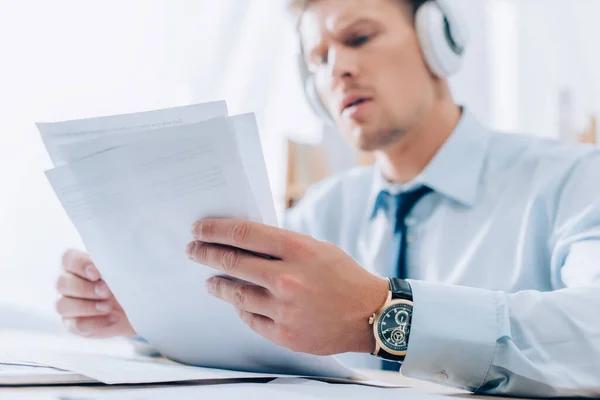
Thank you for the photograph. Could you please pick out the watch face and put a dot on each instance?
(393, 328)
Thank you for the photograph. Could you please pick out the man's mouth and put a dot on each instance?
(357, 102)
(351, 103)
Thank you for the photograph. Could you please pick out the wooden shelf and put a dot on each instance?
(308, 164)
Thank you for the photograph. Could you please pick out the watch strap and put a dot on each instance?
(400, 289)
(384, 355)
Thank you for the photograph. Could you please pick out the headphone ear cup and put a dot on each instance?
(441, 58)
(310, 92)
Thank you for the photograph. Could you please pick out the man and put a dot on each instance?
(499, 234)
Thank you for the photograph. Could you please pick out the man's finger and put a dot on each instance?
(80, 264)
(260, 324)
(71, 308)
(71, 285)
(104, 326)
(234, 262)
(250, 236)
(254, 299)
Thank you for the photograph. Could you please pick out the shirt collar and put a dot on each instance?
(454, 171)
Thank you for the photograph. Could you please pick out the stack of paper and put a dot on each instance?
(282, 388)
(23, 373)
(133, 185)
(35, 358)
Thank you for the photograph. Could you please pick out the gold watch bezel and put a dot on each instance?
(374, 320)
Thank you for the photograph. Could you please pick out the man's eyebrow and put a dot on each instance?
(346, 26)
(341, 28)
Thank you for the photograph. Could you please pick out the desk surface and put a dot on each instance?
(390, 377)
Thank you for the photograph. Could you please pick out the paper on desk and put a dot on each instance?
(254, 391)
(134, 206)
(246, 391)
(27, 374)
(246, 132)
(114, 371)
(112, 361)
(56, 134)
(288, 387)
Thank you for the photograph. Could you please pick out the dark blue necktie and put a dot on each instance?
(405, 203)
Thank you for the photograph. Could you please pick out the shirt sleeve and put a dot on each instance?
(530, 343)
(525, 344)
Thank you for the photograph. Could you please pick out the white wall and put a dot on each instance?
(472, 85)
(558, 50)
(529, 51)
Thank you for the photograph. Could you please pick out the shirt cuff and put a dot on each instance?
(453, 335)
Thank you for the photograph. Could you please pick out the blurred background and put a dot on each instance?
(533, 68)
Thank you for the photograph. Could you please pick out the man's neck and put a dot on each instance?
(402, 161)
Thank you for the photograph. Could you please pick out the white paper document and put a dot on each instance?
(293, 390)
(113, 370)
(28, 374)
(134, 199)
(248, 140)
(54, 135)
(36, 358)
(45, 365)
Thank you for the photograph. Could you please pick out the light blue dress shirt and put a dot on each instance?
(503, 259)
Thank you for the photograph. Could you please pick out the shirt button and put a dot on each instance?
(410, 239)
(441, 376)
(410, 221)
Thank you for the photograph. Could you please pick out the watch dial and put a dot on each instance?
(394, 327)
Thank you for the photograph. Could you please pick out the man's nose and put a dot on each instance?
(343, 64)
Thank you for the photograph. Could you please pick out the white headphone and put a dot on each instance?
(443, 37)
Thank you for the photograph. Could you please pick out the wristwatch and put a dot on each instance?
(391, 325)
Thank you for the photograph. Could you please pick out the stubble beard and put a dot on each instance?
(379, 140)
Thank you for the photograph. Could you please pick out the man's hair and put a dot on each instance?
(297, 7)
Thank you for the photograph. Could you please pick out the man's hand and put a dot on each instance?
(86, 304)
(309, 296)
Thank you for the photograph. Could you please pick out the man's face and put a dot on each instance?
(368, 67)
